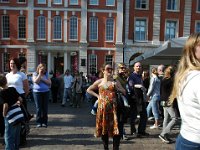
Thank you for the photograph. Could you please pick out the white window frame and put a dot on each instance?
(57, 2)
(175, 9)
(176, 28)
(21, 28)
(112, 28)
(109, 59)
(18, 1)
(55, 30)
(108, 3)
(92, 31)
(94, 2)
(72, 2)
(146, 31)
(41, 1)
(92, 59)
(6, 25)
(146, 3)
(74, 30)
(197, 22)
(41, 28)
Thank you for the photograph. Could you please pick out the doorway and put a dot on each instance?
(59, 65)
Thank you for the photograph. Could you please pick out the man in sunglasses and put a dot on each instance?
(137, 102)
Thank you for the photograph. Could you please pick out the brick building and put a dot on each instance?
(84, 34)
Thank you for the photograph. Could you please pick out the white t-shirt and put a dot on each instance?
(16, 81)
(189, 106)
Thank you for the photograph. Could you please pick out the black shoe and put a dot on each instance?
(164, 139)
(141, 134)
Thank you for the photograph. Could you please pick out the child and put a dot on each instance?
(10, 97)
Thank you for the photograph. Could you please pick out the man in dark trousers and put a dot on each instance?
(137, 102)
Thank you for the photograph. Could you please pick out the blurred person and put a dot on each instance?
(153, 95)
(18, 80)
(68, 82)
(41, 85)
(169, 110)
(54, 88)
(186, 90)
(77, 90)
(10, 97)
(106, 118)
(137, 102)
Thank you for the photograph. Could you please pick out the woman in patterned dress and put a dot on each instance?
(106, 118)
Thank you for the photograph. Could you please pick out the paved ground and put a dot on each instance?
(73, 129)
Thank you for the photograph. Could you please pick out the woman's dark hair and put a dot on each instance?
(3, 80)
(22, 60)
(17, 62)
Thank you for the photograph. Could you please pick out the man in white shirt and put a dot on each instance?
(68, 81)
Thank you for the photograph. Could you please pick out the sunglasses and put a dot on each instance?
(122, 67)
(109, 69)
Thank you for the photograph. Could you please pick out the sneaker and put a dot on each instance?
(153, 127)
(63, 105)
(44, 125)
(164, 138)
(125, 137)
(150, 118)
(93, 112)
(39, 126)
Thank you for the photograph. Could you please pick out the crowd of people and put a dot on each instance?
(164, 94)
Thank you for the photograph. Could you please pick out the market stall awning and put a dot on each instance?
(167, 53)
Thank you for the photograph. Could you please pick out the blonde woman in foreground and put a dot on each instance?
(187, 91)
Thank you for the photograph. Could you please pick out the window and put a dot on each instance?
(93, 29)
(57, 1)
(172, 4)
(94, 2)
(5, 27)
(109, 29)
(4, 1)
(21, 1)
(170, 31)
(109, 60)
(140, 29)
(73, 2)
(41, 1)
(142, 4)
(6, 65)
(73, 35)
(198, 5)
(57, 30)
(110, 2)
(92, 63)
(22, 27)
(197, 27)
(41, 32)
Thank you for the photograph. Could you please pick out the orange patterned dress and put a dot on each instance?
(106, 118)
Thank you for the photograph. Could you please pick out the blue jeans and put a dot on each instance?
(183, 144)
(67, 94)
(12, 136)
(153, 105)
(41, 102)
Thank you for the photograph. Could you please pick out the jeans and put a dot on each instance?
(41, 103)
(183, 144)
(67, 94)
(167, 126)
(12, 136)
(153, 104)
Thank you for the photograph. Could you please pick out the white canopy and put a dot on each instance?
(168, 53)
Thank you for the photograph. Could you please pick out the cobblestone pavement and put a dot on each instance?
(73, 129)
